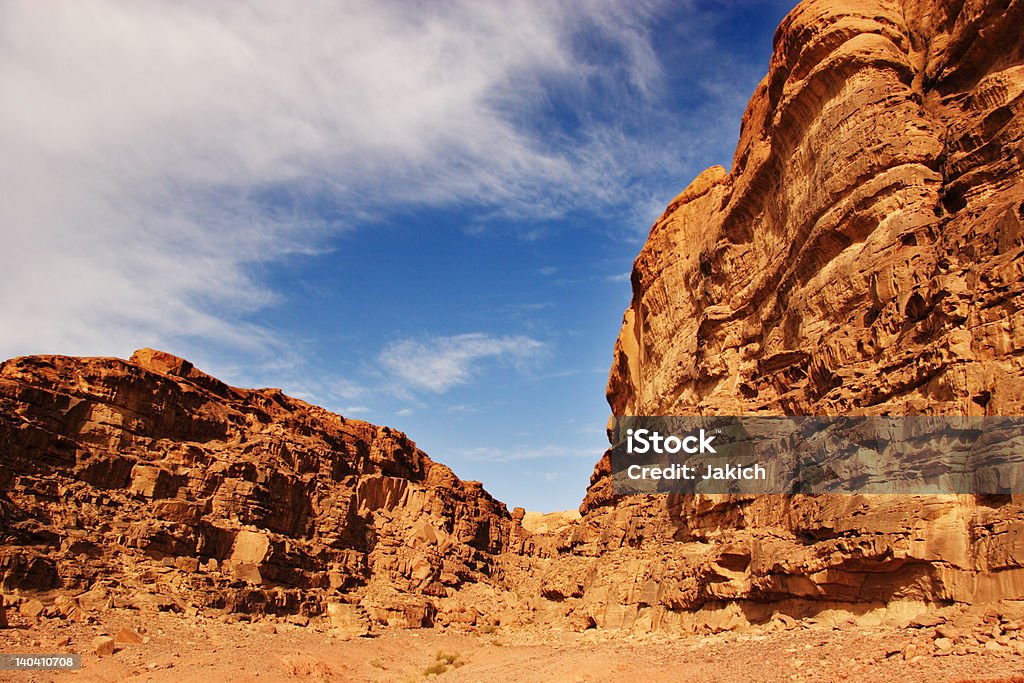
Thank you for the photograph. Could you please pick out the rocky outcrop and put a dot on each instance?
(149, 483)
(865, 255)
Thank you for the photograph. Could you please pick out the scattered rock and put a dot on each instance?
(187, 564)
(165, 663)
(992, 616)
(927, 621)
(787, 622)
(103, 645)
(128, 636)
(31, 608)
(306, 666)
(348, 618)
(94, 600)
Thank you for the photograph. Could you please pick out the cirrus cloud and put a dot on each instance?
(437, 364)
(160, 157)
(156, 153)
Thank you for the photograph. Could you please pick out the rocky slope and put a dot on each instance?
(865, 255)
(149, 484)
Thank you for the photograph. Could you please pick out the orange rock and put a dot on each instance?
(128, 636)
(31, 608)
(162, 467)
(103, 645)
(864, 255)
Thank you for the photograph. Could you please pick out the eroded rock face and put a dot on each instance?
(124, 477)
(865, 252)
(865, 255)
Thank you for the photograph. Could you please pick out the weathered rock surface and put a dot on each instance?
(103, 645)
(865, 255)
(149, 484)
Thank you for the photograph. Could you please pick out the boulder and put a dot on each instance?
(103, 645)
(128, 636)
(31, 608)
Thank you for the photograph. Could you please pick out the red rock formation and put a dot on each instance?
(117, 476)
(865, 255)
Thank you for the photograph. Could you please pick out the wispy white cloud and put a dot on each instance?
(156, 154)
(529, 452)
(354, 411)
(462, 408)
(294, 376)
(520, 310)
(437, 364)
(346, 388)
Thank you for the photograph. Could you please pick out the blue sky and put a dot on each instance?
(419, 214)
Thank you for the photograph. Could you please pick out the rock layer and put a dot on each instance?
(117, 476)
(865, 255)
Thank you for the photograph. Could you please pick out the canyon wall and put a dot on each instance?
(865, 255)
(149, 484)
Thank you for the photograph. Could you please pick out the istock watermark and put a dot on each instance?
(642, 441)
(855, 454)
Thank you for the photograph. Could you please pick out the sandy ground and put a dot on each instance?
(207, 649)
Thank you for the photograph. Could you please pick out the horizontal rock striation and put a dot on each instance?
(148, 475)
(865, 255)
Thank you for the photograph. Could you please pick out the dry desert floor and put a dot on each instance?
(179, 648)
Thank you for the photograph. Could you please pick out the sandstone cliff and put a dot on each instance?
(865, 255)
(150, 484)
